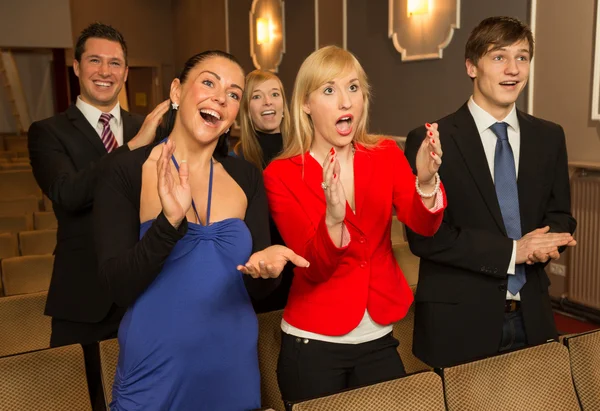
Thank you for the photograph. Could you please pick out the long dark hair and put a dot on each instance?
(168, 122)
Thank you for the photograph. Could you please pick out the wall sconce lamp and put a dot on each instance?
(417, 7)
(265, 31)
(422, 29)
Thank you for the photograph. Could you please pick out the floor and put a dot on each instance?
(569, 324)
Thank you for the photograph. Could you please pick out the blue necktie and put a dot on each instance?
(505, 180)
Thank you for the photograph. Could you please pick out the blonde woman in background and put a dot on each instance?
(264, 125)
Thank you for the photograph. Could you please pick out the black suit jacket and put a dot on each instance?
(66, 154)
(463, 272)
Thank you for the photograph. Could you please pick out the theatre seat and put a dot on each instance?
(8, 247)
(418, 392)
(19, 206)
(269, 345)
(37, 242)
(584, 352)
(23, 325)
(26, 274)
(44, 220)
(18, 184)
(109, 357)
(408, 262)
(535, 378)
(48, 380)
(403, 332)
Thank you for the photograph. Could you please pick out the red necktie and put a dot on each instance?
(108, 138)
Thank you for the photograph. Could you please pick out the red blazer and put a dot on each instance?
(331, 295)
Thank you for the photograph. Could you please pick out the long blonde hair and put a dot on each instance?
(320, 67)
(248, 143)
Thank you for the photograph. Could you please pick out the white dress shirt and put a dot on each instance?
(92, 114)
(483, 121)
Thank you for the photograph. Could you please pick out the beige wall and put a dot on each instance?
(198, 25)
(48, 27)
(563, 73)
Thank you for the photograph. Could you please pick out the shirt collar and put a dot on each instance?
(484, 120)
(92, 114)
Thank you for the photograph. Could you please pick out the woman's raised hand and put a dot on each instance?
(174, 191)
(269, 262)
(334, 191)
(429, 156)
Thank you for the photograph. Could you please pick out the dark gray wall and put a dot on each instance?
(408, 94)
(299, 37)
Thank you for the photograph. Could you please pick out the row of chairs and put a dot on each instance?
(25, 275)
(546, 377)
(13, 143)
(25, 280)
(27, 243)
(16, 184)
(28, 221)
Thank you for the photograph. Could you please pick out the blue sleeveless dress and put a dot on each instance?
(189, 342)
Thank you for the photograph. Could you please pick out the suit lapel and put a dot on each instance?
(129, 127)
(469, 143)
(529, 158)
(80, 122)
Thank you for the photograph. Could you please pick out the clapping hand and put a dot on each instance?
(334, 191)
(429, 157)
(174, 191)
(269, 262)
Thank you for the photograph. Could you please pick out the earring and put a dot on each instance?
(227, 132)
(175, 106)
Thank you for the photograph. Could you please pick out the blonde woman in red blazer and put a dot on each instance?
(331, 194)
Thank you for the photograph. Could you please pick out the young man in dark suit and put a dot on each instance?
(66, 152)
(482, 286)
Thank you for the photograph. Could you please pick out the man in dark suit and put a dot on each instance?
(482, 286)
(66, 152)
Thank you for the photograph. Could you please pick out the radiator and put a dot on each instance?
(584, 259)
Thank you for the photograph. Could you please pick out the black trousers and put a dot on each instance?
(310, 368)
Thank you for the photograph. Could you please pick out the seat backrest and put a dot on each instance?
(23, 325)
(18, 206)
(8, 245)
(109, 357)
(534, 378)
(15, 223)
(15, 143)
(49, 380)
(584, 352)
(397, 232)
(12, 166)
(26, 274)
(37, 242)
(269, 345)
(18, 183)
(418, 392)
(408, 262)
(44, 220)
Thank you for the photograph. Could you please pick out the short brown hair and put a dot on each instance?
(497, 32)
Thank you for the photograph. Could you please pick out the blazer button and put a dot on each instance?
(502, 288)
(362, 240)
(363, 264)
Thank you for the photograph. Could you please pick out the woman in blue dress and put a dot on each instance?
(182, 238)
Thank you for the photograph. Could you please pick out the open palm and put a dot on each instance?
(174, 191)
